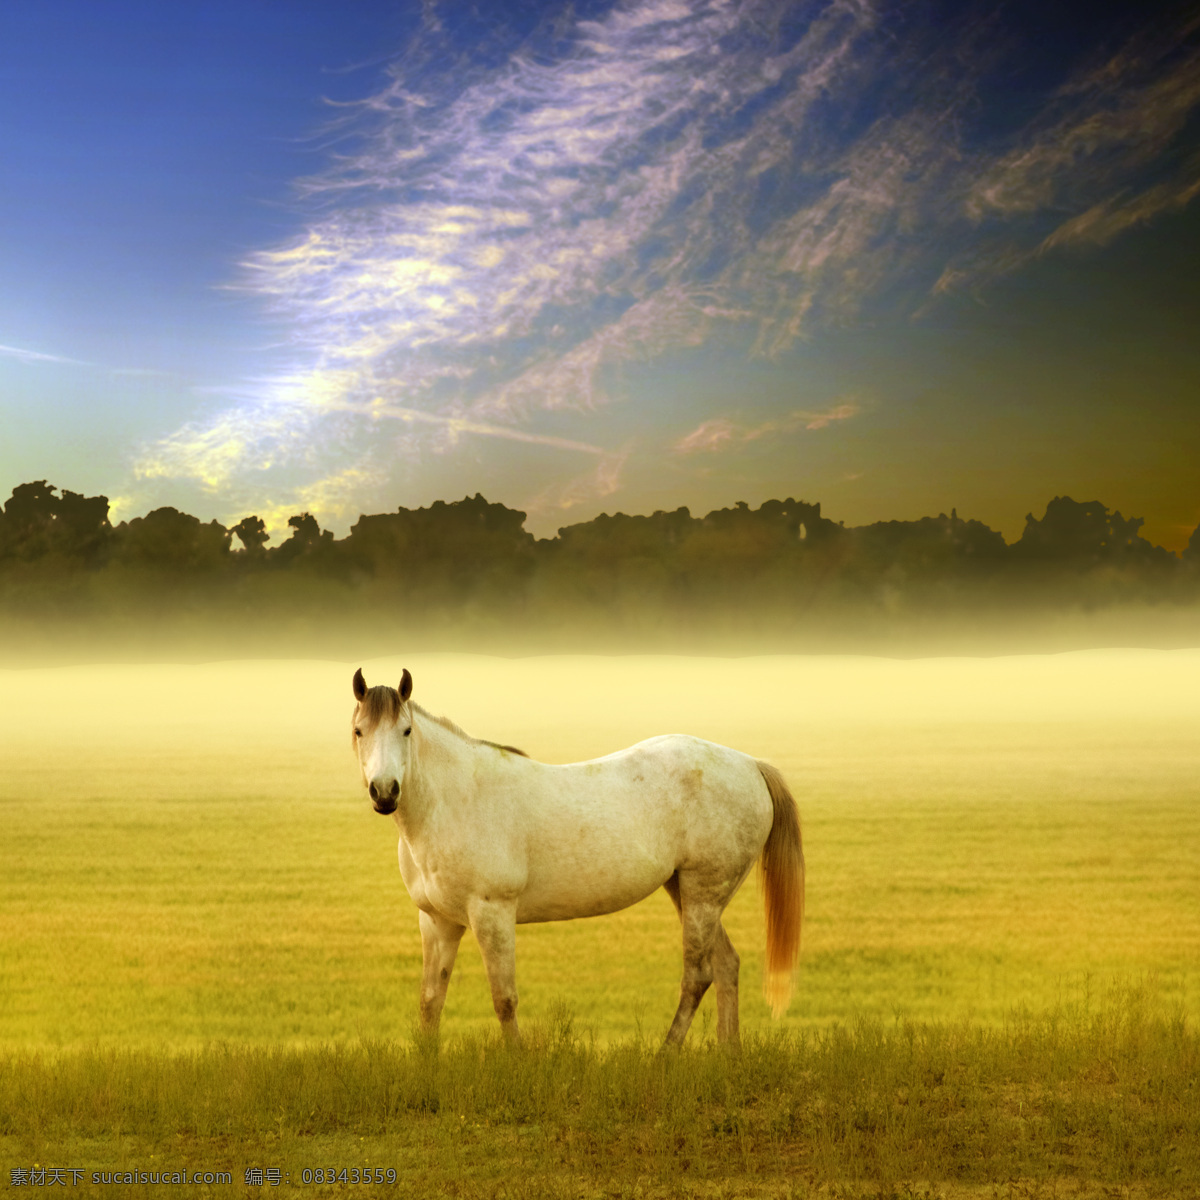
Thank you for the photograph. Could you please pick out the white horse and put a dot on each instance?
(490, 839)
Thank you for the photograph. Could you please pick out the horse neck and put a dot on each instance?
(437, 767)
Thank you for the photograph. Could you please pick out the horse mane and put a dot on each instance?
(383, 701)
(458, 730)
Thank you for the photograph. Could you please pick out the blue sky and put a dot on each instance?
(894, 257)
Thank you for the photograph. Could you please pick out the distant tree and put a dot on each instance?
(774, 522)
(457, 547)
(83, 519)
(168, 541)
(1082, 534)
(32, 505)
(727, 553)
(939, 561)
(607, 538)
(675, 558)
(932, 544)
(37, 524)
(1083, 554)
(614, 559)
(252, 532)
(308, 541)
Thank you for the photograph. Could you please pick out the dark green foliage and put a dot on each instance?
(169, 541)
(934, 547)
(1074, 533)
(463, 546)
(252, 533)
(36, 524)
(308, 547)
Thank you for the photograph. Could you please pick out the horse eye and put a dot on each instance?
(358, 733)
(408, 731)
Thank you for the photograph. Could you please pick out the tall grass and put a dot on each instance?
(1107, 1093)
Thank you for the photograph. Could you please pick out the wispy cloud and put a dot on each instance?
(453, 426)
(1104, 222)
(237, 441)
(1100, 127)
(708, 436)
(141, 373)
(504, 238)
(36, 356)
(720, 433)
(602, 481)
(1093, 164)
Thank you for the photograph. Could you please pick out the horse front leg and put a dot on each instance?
(494, 924)
(439, 947)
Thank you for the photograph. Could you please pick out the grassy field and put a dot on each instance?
(189, 860)
(1079, 1101)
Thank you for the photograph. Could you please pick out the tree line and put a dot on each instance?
(61, 553)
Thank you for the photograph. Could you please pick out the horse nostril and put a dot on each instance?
(382, 790)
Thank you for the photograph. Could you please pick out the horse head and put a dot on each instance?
(382, 738)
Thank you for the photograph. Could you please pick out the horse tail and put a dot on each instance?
(781, 869)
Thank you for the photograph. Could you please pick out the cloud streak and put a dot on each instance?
(36, 356)
(454, 426)
(720, 433)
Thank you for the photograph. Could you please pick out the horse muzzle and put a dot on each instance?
(384, 795)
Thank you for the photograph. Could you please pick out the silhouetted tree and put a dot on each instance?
(32, 506)
(37, 524)
(613, 559)
(309, 544)
(454, 547)
(1081, 534)
(169, 541)
(930, 546)
(252, 533)
(606, 539)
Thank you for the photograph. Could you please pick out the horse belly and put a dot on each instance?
(587, 894)
(597, 864)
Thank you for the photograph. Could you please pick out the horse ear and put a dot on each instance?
(405, 686)
(360, 685)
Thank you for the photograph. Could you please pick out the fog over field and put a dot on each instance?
(189, 846)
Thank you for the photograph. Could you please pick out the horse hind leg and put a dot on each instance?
(700, 922)
(720, 970)
(725, 964)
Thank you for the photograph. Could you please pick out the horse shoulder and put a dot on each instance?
(413, 876)
(480, 834)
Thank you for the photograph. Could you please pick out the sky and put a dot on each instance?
(891, 256)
